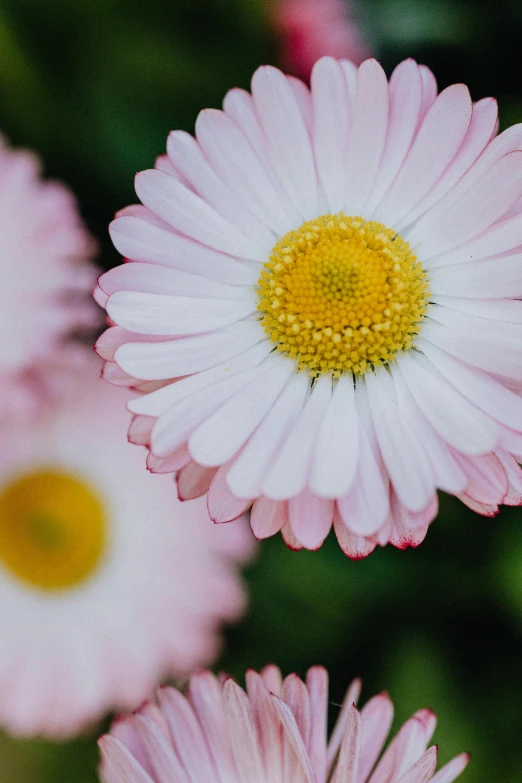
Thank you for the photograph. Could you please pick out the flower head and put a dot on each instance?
(276, 732)
(108, 584)
(321, 307)
(46, 276)
(311, 29)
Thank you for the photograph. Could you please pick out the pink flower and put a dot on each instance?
(108, 584)
(311, 29)
(46, 277)
(275, 734)
(322, 307)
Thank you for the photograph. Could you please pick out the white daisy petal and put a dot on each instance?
(288, 141)
(337, 447)
(222, 435)
(176, 425)
(448, 475)
(155, 279)
(162, 314)
(482, 127)
(405, 105)
(252, 464)
(367, 135)
(507, 142)
(409, 469)
(153, 361)
(485, 348)
(187, 155)
(141, 240)
(233, 158)
(331, 119)
(430, 153)
(456, 419)
(484, 279)
(157, 402)
(481, 206)
(289, 473)
(190, 214)
(486, 393)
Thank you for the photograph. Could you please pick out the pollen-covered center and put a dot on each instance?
(342, 294)
(53, 530)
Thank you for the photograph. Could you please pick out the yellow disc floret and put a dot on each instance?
(53, 530)
(342, 294)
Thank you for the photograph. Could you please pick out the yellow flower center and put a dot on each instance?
(342, 294)
(53, 530)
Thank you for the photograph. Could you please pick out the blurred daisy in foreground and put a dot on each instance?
(45, 280)
(324, 296)
(310, 29)
(108, 584)
(275, 734)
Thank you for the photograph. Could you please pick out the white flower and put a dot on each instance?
(324, 296)
(107, 583)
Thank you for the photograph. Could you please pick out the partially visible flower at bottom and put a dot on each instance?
(276, 732)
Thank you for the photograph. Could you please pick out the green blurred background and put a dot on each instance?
(94, 86)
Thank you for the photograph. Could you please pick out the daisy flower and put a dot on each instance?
(321, 306)
(276, 732)
(310, 29)
(108, 584)
(46, 277)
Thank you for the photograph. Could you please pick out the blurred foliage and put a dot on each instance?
(94, 86)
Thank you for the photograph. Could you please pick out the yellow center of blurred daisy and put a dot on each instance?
(53, 530)
(342, 294)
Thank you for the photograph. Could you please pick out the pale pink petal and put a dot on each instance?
(337, 446)
(193, 480)
(289, 472)
(142, 240)
(222, 505)
(220, 437)
(405, 105)
(268, 517)
(331, 121)
(367, 135)
(234, 159)
(355, 546)
(377, 717)
(422, 771)
(310, 518)
(172, 359)
(191, 215)
(452, 770)
(456, 419)
(254, 461)
(430, 153)
(288, 141)
(120, 763)
(242, 733)
(347, 768)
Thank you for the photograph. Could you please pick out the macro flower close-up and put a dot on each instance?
(100, 596)
(276, 732)
(320, 306)
(45, 253)
(260, 391)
